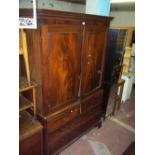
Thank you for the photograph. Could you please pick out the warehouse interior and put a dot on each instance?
(116, 133)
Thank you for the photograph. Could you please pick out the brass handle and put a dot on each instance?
(64, 114)
(73, 110)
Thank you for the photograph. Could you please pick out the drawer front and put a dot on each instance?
(62, 118)
(60, 138)
(90, 102)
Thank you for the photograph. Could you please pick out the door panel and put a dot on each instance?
(94, 44)
(61, 64)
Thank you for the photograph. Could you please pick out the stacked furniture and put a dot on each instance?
(30, 130)
(127, 73)
(130, 34)
(125, 35)
(115, 52)
(116, 48)
(67, 58)
(120, 39)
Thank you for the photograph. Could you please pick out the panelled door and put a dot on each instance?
(61, 57)
(93, 57)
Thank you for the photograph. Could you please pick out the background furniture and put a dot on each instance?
(118, 96)
(124, 44)
(129, 80)
(30, 130)
(67, 58)
(23, 52)
(128, 71)
(130, 38)
(30, 135)
(126, 60)
(117, 48)
(120, 38)
(113, 65)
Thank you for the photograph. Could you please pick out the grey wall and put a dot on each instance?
(53, 5)
(123, 18)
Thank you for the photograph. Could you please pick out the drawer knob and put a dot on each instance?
(83, 23)
(64, 128)
(71, 111)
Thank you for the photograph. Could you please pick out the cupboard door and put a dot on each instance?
(93, 58)
(61, 53)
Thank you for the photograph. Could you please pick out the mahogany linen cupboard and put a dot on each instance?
(67, 55)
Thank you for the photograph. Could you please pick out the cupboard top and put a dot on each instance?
(42, 14)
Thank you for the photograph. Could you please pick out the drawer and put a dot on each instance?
(63, 117)
(68, 127)
(92, 101)
(63, 136)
